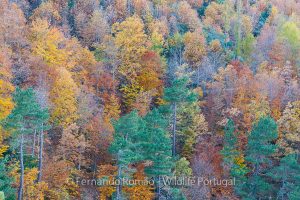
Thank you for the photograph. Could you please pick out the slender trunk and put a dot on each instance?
(94, 167)
(41, 155)
(174, 129)
(158, 188)
(238, 28)
(129, 7)
(20, 192)
(113, 76)
(79, 161)
(198, 76)
(119, 185)
(33, 145)
(38, 139)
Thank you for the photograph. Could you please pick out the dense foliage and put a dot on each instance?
(149, 90)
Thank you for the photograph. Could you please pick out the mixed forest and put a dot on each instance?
(145, 89)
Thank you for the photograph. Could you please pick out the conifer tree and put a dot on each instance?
(262, 20)
(157, 147)
(259, 149)
(232, 159)
(176, 94)
(6, 181)
(288, 175)
(126, 146)
(229, 151)
(24, 118)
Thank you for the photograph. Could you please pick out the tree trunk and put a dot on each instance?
(198, 76)
(238, 28)
(79, 161)
(33, 145)
(94, 167)
(174, 129)
(158, 188)
(20, 192)
(40, 166)
(119, 185)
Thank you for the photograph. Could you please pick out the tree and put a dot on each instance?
(187, 15)
(195, 50)
(12, 26)
(42, 125)
(33, 189)
(46, 43)
(26, 116)
(287, 174)
(258, 152)
(221, 92)
(131, 40)
(230, 151)
(175, 95)
(58, 175)
(233, 160)
(6, 180)
(289, 126)
(191, 125)
(157, 147)
(63, 97)
(182, 168)
(126, 145)
(72, 146)
(289, 33)
(6, 88)
(95, 29)
(130, 92)
(262, 20)
(107, 172)
(151, 75)
(139, 191)
(47, 11)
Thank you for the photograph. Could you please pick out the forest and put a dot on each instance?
(125, 99)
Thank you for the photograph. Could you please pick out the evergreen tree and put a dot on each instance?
(288, 174)
(262, 20)
(126, 144)
(232, 159)
(229, 151)
(6, 181)
(24, 119)
(156, 147)
(176, 94)
(260, 147)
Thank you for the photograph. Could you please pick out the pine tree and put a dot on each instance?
(233, 159)
(259, 149)
(288, 175)
(229, 151)
(125, 146)
(157, 147)
(6, 181)
(26, 116)
(175, 95)
(262, 20)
